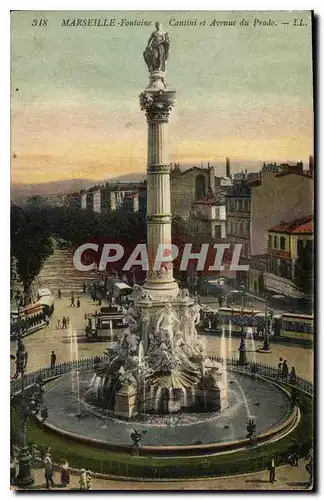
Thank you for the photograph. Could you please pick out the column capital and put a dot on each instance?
(157, 104)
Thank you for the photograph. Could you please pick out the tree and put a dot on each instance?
(304, 268)
(30, 244)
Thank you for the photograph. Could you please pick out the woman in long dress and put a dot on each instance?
(65, 474)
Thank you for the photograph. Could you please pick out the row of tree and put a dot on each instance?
(35, 226)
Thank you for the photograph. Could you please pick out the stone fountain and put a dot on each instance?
(158, 367)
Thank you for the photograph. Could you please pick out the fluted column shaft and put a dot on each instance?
(157, 105)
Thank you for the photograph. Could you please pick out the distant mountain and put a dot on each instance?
(20, 192)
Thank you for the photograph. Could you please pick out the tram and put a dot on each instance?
(289, 326)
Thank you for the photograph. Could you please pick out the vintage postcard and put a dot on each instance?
(162, 315)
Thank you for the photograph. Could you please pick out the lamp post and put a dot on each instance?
(266, 341)
(242, 288)
(26, 405)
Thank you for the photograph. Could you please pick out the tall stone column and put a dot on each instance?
(157, 102)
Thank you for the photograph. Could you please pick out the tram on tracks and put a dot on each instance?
(286, 326)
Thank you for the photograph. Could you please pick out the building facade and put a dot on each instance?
(191, 185)
(279, 196)
(208, 216)
(286, 241)
(238, 216)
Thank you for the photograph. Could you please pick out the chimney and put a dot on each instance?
(228, 168)
(311, 165)
(211, 180)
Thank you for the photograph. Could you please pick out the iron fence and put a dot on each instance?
(85, 364)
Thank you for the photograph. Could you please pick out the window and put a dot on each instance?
(282, 243)
(275, 241)
(200, 183)
(216, 213)
(300, 246)
(247, 225)
(284, 269)
(241, 228)
(270, 241)
(218, 232)
(273, 266)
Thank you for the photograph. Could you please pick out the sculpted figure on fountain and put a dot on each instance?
(167, 320)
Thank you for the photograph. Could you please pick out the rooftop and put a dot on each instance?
(297, 226)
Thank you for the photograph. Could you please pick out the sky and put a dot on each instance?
(243, 91)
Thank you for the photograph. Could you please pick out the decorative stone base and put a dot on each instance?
(158, 290)
(126, 402)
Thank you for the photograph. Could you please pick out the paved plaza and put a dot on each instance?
(287, 478)
(40, 344)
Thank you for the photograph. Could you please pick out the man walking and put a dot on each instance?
(53, 360)
(272, 471)
(280, 367)
(48, 470)
(59, 293)
(72, 300)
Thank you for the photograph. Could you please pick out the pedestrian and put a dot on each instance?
(78, 302)
(84, 288)
(64, 322)
(72, 300)
(48, 470)
(296, 459)
(65, 473)
(83, 479)
(285, 369)
(272, 471)
(13, 471)
(280, 366)
(292, 376)
(53, 360)
(309, 469)
(89, 479)
(59, 293)
(59, 324)
(67, 322)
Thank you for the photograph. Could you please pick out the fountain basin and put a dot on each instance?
(182, 433)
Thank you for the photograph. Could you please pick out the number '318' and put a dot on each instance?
(39, 22)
